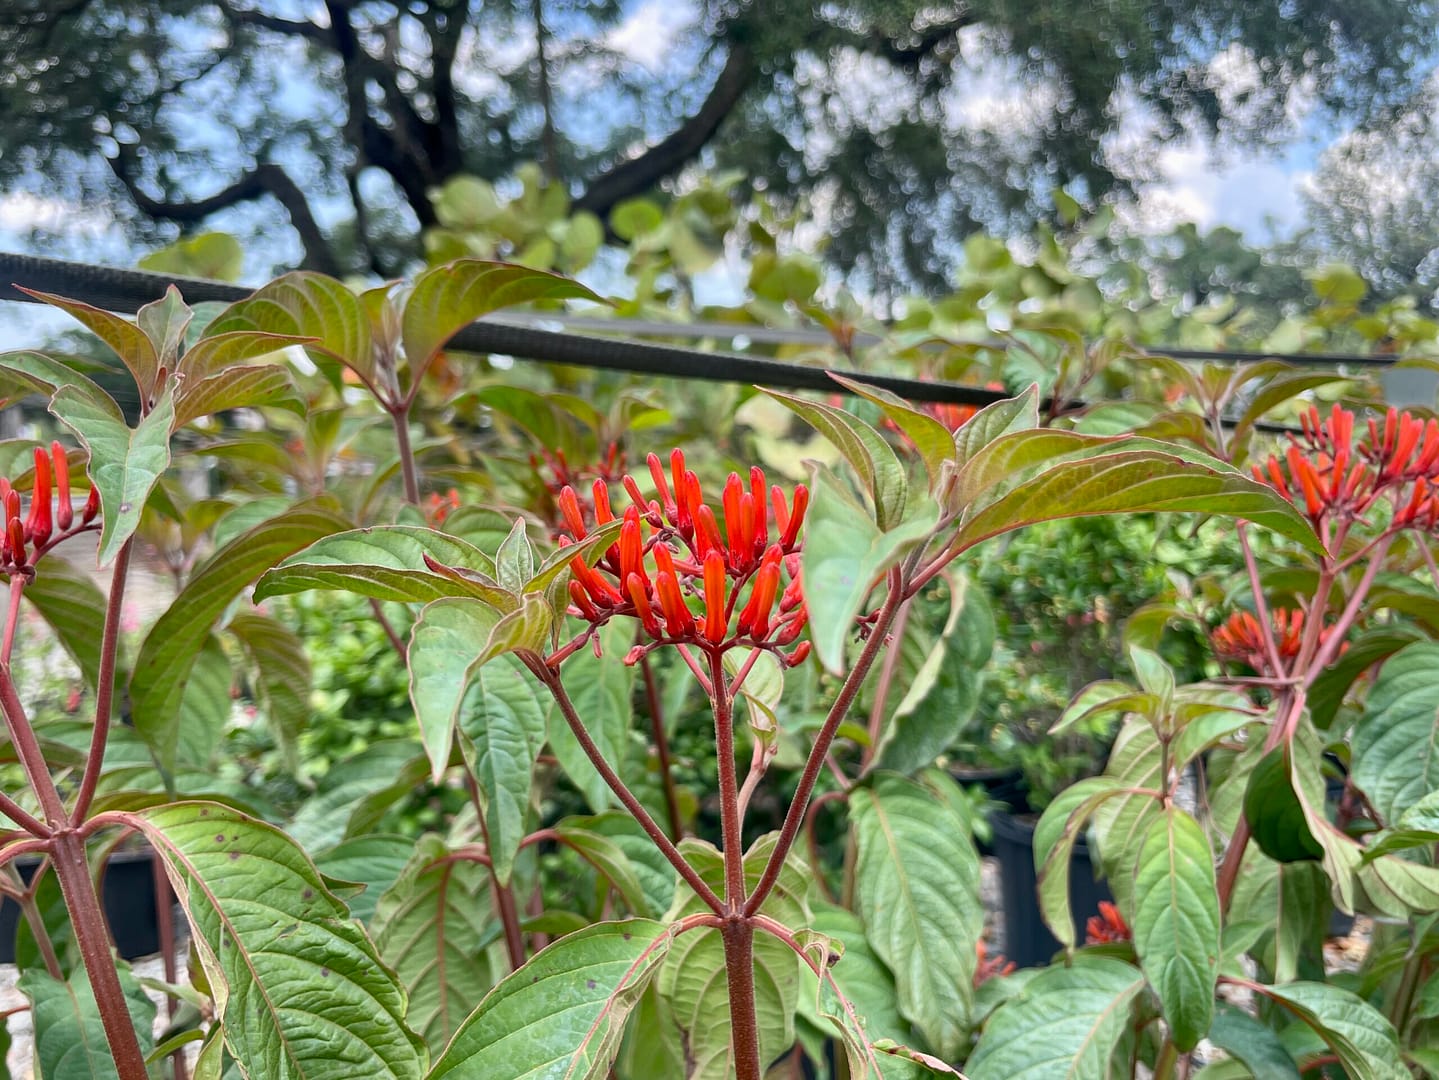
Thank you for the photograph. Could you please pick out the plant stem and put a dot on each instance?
(17, 586)
(27, 749)
(504, 893)
(396, 642)
(87, 922)
(731, 830)
(838, 711)
(105, 684)
(738, 937)
(400, 418)
(887, 672)
(1168, 1058)
(662, 748)
(551, 680)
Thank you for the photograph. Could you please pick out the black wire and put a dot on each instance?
(127, 291)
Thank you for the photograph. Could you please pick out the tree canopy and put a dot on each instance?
(906, 125)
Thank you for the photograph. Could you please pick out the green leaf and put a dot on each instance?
(1059, 829)
(563, 1014)
(1176, 923)
(70, 1041)
(1275, 393)
(1274, 812)
(214, 255)
(386, 562)
(124, 464)
(125, 338)
(881, 473)
(172, 644)
(1396, 741)
(944, 693)
(69, 602)
(932, 439)
(515, 559)
(308, 305)
(376, 777)
(432, 927)
(1359, 1034)
(1327, 692)
(502, 721)
(375, 861)
(1247, 1040)
(204, 706)
(1100, 475)
(602, 689)
(164, 322)
(282, 673)
(692, 981)
(1107, 697)
(448, 298)
(444, 645)
(844, 553)
(1137, 761)
(609, 859)
(993, 421)
(238, 388)
(299, 988)
(1067, 1023)
(916, 887)
(213, 355)
(653, 871)
(859, 974)
(38, 373)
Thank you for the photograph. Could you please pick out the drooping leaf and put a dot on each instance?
(170, 648)
(1396, 741)
(124, 463)
(692, 979)
(1176, 923)
(444, 644)
(1059, 829)
(502, 724)
(653, 871)
(1274, 812)
(386, 562)
(1066, 1023)
(880, 471)
(448, 298)
(610, 860)
(33, 372)
(282, 676)
(299, 988)
(1247, 1040)
(916, 887)
(69, 1036)
(1137, 761)
(942, 697)
(562, 1015)
(204, 706)
(433, 926)
(68, 601)
(1359, 1034)
(844, 553)
(602, 689)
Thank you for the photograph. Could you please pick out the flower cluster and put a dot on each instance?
(1335, 478)
(555, 473)
(51, 517)
(683, 576)
(1107, 927)
(990, 967)
(1240, 638)
(438, 507)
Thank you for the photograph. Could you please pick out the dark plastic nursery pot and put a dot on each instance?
(129, 898)
(1027, 941)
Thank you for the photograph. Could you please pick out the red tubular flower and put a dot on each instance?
(38, 524)
(678, 620)
(1240, 638)
(581, 600)
(1107, 927)
(15, 532)
(796, 517)
(754, 619)
(92, 506)
(714, 578)
(657, 473)
(64, 512)
(639, 596)
(677, 472)
(733, 520)
(604, 514)
(570, 509)
(706, 532)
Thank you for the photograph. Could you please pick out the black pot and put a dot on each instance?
(1027, 941)
(1003, 786)
(129, 900)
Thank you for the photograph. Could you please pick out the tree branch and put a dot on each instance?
(294, 28)
(266, 178)
(640, 174)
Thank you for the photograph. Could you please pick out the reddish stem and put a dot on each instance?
(400, 418)
(838, 711)
(551, 680)
(731, 828)
(105, 684)
(662, 749)
(738, 937)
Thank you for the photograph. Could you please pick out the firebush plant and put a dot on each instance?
(509, 940)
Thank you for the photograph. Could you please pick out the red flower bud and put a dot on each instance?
(678, 620)
(16, 534)
(570, 508)
(657, 473)
(603, 513)
(92, 506)
(677, 472)
(38, 524)
(639, 596)
(796, 518)
(716, 621)
(64, 512)
(582, 601)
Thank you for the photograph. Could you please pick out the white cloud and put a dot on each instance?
(649, 32)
